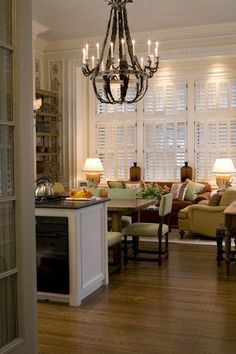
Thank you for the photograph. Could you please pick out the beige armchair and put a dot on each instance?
(202, 218)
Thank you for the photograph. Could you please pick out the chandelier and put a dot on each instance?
(117, 75)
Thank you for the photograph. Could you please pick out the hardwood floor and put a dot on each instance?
(188, 305)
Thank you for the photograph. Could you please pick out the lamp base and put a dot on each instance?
(93, 179)
(223, 180)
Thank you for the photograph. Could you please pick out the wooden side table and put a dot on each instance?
(230, 222)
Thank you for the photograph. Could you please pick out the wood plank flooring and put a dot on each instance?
(188, 305)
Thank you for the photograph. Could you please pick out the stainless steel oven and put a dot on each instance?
(52, 254)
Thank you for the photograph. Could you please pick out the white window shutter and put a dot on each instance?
(165, 130)
(164, 150)
(166, 98)
(116, 146)
(215, 124)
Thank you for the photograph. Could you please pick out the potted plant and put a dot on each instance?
(152, 191)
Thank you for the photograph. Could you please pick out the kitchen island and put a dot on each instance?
(87, 245)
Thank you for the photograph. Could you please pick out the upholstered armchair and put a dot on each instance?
(203, 218)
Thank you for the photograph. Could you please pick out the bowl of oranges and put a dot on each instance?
(81, 194)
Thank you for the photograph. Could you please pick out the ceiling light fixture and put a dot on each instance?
(117, 75)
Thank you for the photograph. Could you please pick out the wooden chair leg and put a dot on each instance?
(117, 253)
(159, 260)
(135, 244)
(167, 245)
(125, 250)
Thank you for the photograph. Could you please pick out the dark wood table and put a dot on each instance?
(119, 207)
(230, 221)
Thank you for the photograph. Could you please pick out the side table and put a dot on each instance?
(230, 222)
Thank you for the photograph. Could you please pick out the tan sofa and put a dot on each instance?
(203, 218)
(149, 214)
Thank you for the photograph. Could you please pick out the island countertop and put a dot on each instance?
(70, 204)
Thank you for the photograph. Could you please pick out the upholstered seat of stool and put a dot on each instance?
(114, 244)
(113, 238)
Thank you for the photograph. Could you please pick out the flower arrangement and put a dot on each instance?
(152, 191)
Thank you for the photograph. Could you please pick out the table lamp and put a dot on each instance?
(93, 168)
(223, 167)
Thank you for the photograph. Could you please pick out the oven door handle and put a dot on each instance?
(51, 234)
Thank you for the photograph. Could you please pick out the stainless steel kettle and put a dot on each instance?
(44, 187)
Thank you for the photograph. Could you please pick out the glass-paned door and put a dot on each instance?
(8, 266)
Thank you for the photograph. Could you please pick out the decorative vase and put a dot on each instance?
(135, 173)
(186, 172)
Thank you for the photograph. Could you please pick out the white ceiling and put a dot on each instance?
(67, 19)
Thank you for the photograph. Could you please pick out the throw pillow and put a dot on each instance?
(133, 185)
(179, 190)
(116, 184)
(228, 197)
(194, 188)
(215, 199)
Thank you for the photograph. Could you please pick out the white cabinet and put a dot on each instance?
(88, 262)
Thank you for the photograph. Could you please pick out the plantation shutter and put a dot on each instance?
(215, 123)
(165, 131)
(116, 147)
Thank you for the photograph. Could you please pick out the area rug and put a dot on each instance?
(190, 238)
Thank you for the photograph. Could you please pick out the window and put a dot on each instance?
(116, 138)
(162, 133)
(116, 146)
(215, 123)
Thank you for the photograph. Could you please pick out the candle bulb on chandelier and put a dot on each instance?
(86, 51)
(84, 56)
(133, 43)
(97, 45)
(156, 50)
(123, 47)
(93, 61)
(149, 47)
(141, 60)
(156, 54)
(112, 53)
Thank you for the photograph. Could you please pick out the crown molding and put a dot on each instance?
(37, 28)
(192, 32)
(199, 52)
(207, 40)
(40, 45)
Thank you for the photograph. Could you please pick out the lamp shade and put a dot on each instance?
(223, 165)
(93, 164)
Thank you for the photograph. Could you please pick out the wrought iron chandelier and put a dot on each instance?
(117, 75)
